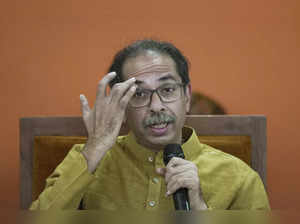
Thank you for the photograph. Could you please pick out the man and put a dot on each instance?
(151, 91)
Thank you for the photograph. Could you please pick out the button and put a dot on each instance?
(152, 203)
(155, 180)
(150, 159)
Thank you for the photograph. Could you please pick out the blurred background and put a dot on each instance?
(244, 54)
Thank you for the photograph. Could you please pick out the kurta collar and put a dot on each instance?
(143, 154)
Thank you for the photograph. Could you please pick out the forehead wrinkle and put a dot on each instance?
(150, 69)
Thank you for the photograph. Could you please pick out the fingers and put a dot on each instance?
(120, 90)
(180, 173)
(176, 161)
(161, 171)
(175, 166)
(86, 113)
(182, 181)
(101, 91)
(124, 101)
(84, 105)
(172, 172)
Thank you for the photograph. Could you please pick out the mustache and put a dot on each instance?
(158, 118)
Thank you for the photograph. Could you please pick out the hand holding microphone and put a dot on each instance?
(182, 175)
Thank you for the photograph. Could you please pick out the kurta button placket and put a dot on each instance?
(154, 183)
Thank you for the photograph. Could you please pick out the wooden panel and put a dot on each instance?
(49, 152)
(238, 146)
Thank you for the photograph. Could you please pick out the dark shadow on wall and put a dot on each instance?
(202, 104)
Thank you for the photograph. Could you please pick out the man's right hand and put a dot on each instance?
(103, 122)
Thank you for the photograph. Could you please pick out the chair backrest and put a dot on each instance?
(44, 142)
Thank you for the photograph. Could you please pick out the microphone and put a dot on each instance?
(180, 197)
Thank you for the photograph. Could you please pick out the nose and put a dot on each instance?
(155, 103)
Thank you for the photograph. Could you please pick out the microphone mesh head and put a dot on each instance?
(172, 150)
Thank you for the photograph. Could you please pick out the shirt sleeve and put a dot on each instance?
(66, 186)
(251, 194)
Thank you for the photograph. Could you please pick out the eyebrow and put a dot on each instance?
(165, 78)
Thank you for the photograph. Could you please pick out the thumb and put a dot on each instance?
(161, 171)
(85, 109)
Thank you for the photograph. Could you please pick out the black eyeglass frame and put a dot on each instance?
(152, 91)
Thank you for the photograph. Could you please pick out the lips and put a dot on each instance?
(159, 129)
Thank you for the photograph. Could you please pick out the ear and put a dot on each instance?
(188, 94)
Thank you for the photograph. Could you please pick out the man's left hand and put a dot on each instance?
(180, 173)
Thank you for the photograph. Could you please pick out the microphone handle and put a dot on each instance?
(181, 201)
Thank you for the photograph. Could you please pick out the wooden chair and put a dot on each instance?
(45, 141)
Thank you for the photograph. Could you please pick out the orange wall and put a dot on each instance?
(245, 54)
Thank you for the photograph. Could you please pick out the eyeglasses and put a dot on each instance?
(167, 93)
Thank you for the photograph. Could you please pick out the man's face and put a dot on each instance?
(156, 124)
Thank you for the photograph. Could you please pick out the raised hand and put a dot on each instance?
(104, 121)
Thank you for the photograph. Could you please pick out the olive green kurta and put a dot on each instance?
(126, 179)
